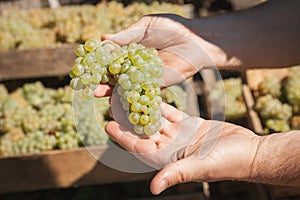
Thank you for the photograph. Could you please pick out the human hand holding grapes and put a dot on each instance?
(188, 148)
(183, 53)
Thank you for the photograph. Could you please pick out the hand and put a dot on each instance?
(181, 50)
(189, 148)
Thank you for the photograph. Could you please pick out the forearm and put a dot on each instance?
(277, 160)
(264, 36)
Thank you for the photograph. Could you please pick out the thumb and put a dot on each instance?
(172, 174)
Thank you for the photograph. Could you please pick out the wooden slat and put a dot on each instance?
(254, 120)
(36, 62)
(21, 4)
(59, 169)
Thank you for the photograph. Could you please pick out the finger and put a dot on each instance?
(106, 36)
(128, 140)
(103, 90)
(172, 174)
(172, 114)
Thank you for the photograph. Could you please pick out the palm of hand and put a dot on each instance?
(180, 49)
(188, 148)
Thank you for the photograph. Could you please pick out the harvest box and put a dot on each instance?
(63, 168)
(253, 78)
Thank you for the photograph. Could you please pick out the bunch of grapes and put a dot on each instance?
(270, 86)
(34, 118)
(137, 71)
(277, 125)
(229, 92)
(291, 89)
(44, 27)
(271, 108)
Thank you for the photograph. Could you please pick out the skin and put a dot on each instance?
(265, 36)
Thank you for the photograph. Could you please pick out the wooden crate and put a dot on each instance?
(61, 168)
(253, 78)
(33, 63)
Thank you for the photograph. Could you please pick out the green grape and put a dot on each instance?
(89, 59)
(95, 68)
(134, 118)
(126, 84)
(136, 107)
(92, 44)
(78, 60)
(80, 51)
(96, 78)
(86, 78)
(114, 68)
(150, 92)
(78, 69)
(136, 76)
(150, 129)
(137, 87)
(125, 67)
(156, 71)
(144, 100)
(154, 117)
(72, 75)
(133, 96)
(138, 129)
(144, 119)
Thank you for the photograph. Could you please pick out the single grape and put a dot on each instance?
(134, 118)
(144, 119)
(114, 68)
(92, 44)
(133, 96)
(136, 76)
(138, 129)
(150, 129)
(80, 51)
(86, 78)
(144, 100)
(78, 69)
(96, 78)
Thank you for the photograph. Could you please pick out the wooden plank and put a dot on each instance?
(59, 169)
(256, 76)
(21, 4)
(253, 118)
(36, 62)
(253, 78)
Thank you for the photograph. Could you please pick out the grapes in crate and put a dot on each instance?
(135, 70)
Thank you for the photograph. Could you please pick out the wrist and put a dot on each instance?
(277, 159)
(213, 36)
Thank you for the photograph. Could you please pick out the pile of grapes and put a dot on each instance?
(34, 118)
(136, 71)
(278, 102)
(39, 28)
(228, 93)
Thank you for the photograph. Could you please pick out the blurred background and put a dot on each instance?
(41, 154)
